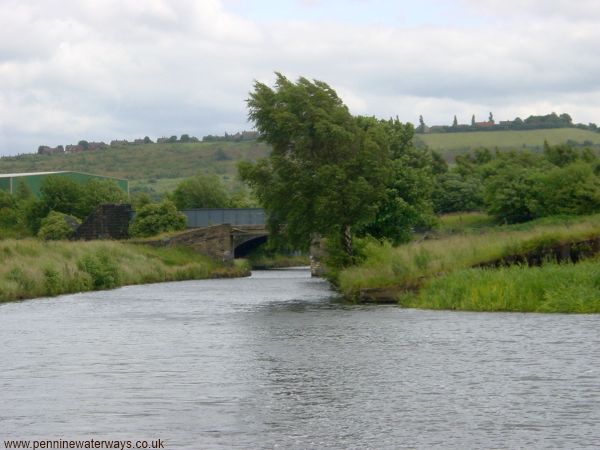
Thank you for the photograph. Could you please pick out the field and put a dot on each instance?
(451, 144)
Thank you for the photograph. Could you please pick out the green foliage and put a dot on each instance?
(511, 195)
(8, 210)
(570, 190)
(201, 191)
(13, 215)
(155, 218)
(61, 194)
(454, 192)
(55, 227)
(407, 202)
(66, 196)
(102, 268)
(560, 155)
(97, 192)
(33, 268)
(554, 288)
(407, 266)
(330, 173)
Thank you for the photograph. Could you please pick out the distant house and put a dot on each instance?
(33, 180)
(487, 124)
(85, 146)
(118, 142)
(45, 150)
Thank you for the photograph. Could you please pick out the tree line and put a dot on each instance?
(533, 122)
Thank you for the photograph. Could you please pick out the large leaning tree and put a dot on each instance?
(329, 173)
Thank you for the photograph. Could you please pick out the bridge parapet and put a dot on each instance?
(206, 217)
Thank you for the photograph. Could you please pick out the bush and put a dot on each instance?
(201, 191)
(155, 218)
(452, 193)
(511, 195)
(55, 226)
(103, 270)
(571, 190)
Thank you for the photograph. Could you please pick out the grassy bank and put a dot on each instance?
(409, 267)
(562, 288)
(31, 268)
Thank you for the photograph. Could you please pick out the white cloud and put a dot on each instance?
(71, 70)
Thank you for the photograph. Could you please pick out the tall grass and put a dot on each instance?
(409, 265)
(31, 268)
(561, 288)
(464, 222)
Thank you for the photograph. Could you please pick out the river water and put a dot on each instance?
(276, 361)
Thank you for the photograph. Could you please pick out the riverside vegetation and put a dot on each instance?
(33, 268)
(445, 271)
(366, 187)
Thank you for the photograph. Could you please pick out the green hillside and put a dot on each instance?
(451, 144)
(157, 168)
(154, 167)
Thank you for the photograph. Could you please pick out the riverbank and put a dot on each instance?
(277, 261)
(31, 268)
(486, 269)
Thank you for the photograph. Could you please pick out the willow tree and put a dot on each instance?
(326, 173)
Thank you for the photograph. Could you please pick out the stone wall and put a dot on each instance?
(109, 221)
(215, 241)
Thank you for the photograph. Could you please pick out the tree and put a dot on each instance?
(155, 218)
(201, 191)
(473, 120)
(327, 172)
(422, 125)
(61, 194)
(98, 192)
(560, 155)
(511, 196)
(455, 122)
(453, 192)
(491, 118)
(438, 163)
(407, 203)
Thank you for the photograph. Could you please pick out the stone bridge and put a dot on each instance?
(223, 234)
(224, 242)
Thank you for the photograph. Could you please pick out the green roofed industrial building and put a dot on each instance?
(9, 182)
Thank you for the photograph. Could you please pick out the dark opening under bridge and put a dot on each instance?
(223, 233)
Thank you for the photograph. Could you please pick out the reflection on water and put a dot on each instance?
(276, 360)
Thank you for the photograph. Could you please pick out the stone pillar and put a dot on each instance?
(317, 253)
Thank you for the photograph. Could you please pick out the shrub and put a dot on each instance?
(201, 191)
(103, 270)
(56, 226)
(156, 218)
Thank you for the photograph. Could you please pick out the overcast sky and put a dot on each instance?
(108, 69)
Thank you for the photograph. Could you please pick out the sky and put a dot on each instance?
(123, 69)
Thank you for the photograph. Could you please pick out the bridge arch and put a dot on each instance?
(242, 249)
